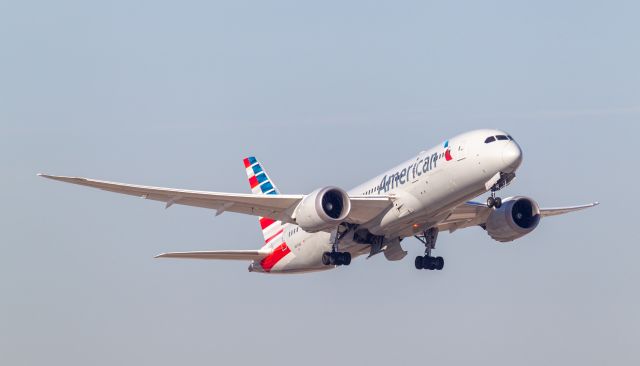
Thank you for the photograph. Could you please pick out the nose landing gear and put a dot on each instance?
(494, 201)
(503, 181)
(429, 238)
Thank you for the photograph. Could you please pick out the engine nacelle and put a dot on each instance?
(517, 217)
(322, 209)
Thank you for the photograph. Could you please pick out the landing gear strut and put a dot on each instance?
(335, 257)
(429, 238)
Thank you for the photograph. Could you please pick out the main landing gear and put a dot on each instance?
(430, 263)
(335, 257)
(429, 238)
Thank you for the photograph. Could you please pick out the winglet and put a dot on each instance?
(61, 178)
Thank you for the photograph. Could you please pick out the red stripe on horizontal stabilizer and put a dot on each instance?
(265, 222)
(274, 235)
(272, 259)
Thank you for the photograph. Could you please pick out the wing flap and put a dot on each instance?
(239, 255)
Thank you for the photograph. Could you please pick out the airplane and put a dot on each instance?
(429, 193)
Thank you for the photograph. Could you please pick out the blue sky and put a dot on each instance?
(177, 93)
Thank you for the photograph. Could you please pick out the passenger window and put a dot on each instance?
(489, 140)
(502, 137)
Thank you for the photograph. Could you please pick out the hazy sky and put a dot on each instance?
(332, 92)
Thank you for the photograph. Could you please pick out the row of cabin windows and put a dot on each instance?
(295, 230)
(491, 139)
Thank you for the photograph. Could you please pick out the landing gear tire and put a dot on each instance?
(497, 202)
(326, 258)
(336, 258)
(430, 263)
(494, 202)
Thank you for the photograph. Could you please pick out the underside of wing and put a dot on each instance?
(241, 255)
(476, 213)
(280, 207)
(465, 215)
(275, 206)
(546, 212)
(365, 208)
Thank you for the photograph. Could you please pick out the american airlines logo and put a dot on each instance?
(413, 171)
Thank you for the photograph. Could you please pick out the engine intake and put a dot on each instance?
(322, 209)
(517, 217)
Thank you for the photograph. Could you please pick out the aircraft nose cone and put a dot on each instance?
(512, 156)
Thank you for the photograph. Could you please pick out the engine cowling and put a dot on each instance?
(517, 217)
(322, 209)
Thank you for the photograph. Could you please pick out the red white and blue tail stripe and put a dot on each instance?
(258, 179)
(271, 229)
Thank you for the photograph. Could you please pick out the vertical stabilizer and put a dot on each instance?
(260, 183)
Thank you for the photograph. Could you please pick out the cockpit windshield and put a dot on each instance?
(491, 139)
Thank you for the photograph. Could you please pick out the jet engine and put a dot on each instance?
(517, 217)
(322, 209)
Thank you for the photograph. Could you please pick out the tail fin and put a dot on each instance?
(258, 179)
(260, 183)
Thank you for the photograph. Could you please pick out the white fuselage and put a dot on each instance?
(425, 189)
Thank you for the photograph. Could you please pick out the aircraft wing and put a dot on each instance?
(546, 212)
(273, 206)
(247, 255)
(280, 206)
(476, 213)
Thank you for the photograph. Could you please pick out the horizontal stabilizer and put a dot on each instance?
(238, 255)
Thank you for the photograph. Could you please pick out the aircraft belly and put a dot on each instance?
(306, 254)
